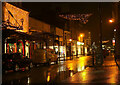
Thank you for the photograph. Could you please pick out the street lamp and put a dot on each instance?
(80, 38)
(70, 40)
(111, 20)
(114, 37)
(81, 35)
(100, 33)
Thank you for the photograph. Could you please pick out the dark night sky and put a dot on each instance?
(49, 12)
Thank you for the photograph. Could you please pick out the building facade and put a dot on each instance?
(15, 27)
(116, 17)
(47, 36)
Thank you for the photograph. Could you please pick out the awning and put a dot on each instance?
(14, 34)
(45, 36)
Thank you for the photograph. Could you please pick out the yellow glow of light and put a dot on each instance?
(80, 38)
(81, 35)
(84, 76)
(111, 20)
(80, 68)
(70, 40)
(83, 67)
(5, 48)
(48, 77)
(85, 50)
(82, 63)
(71, 73)
(70, 66)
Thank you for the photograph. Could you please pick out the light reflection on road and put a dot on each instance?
(48, 77)
(53, 73)
(83, 76)
(108, 73)
(28, 80)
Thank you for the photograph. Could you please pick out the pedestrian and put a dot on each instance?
(97, 55)
(94, 47)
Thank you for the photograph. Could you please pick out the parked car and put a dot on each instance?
(45, 56)
(15, 62)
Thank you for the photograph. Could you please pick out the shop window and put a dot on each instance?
(11, 48)
(20, 47)
(27, 49)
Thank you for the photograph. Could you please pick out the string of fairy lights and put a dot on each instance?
(83, 18)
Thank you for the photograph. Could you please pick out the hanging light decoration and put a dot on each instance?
(83, 18)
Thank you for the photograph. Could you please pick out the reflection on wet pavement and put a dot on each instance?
(48, 77)
(108, 73)
(48, 74)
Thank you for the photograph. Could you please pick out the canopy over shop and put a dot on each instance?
(15, 41)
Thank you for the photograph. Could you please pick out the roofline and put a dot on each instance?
(17, 6)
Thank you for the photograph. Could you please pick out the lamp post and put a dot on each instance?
(100, 33)
(113, 21)
(113, 40)
(82, 40)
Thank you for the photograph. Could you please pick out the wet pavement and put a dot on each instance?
(48, 74)
(118, 62)
(108, 73)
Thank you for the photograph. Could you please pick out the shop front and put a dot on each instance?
(15, 29)
(74, 47)
(17, 46)
(80, 48)
(16, 42)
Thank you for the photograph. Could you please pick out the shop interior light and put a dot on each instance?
(80, 43)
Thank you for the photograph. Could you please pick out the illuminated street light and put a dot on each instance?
(111, 20)
(114, 30)
(81, 35)
(83, 18)
(70, 40)
(113, 41)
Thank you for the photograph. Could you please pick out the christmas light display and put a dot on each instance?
(83, 18)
